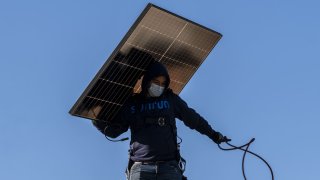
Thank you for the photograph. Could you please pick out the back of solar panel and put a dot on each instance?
(157, 35)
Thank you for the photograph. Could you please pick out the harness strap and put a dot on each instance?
(161, 121)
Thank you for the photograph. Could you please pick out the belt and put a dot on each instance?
(156, 162)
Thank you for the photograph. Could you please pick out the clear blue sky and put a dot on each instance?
(261, 80)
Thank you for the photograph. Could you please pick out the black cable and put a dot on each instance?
(179, 139)
(244, 155)
(113, 140)
(117, 140)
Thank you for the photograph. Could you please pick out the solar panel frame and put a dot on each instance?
(125, 40)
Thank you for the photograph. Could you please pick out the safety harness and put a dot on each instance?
(162, 121)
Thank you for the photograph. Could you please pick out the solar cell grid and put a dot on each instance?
(157, 35)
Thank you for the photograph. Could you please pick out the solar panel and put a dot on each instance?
(157, 35)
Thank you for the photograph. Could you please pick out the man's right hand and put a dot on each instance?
(218, 138)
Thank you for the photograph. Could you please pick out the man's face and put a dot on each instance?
(160, 81)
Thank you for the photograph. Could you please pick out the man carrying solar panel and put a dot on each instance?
(154, 151)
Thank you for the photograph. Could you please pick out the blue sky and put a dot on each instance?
(261, 80)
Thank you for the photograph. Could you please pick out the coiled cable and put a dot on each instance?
(246, 146)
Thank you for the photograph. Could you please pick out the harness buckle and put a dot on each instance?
(161, 121)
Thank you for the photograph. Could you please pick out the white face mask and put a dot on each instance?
(155, 90)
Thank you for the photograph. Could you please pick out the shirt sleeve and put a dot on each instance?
(113, 129)
(191, 118)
